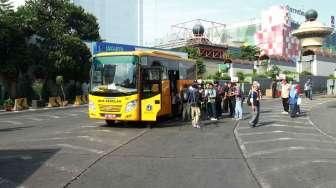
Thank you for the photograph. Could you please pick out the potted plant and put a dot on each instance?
(8, 104)
(59, 82)
(38, 87)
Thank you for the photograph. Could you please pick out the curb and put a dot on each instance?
(30, 110)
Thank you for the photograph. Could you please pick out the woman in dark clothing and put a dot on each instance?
(255, 103)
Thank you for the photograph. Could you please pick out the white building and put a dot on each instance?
(119, 21)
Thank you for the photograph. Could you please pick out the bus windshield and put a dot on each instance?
(114, 74)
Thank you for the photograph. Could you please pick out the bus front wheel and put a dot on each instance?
(110, 122)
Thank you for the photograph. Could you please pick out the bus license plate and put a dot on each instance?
(110, 116)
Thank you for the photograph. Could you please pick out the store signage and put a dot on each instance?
(295, 11)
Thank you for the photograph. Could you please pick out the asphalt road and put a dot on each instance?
(63, 148)
(286, 152)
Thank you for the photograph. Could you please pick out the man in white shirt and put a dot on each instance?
(285, 88)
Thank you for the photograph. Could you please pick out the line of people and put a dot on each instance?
(210, 101)
(292, 97)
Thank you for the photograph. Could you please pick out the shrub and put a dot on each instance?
(8, 103)
(38, 87)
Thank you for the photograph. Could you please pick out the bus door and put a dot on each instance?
(151, 89)
(173, 78)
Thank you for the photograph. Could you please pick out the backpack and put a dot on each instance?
(185, 95)
(249, 98)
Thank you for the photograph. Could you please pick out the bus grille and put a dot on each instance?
(109, 108)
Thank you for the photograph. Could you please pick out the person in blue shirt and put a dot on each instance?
(293, 99)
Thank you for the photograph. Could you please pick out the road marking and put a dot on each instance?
(88, 126)
(278, 125)
(283, 121)
(9, 183)
(293, 148)
(300, 164)
(73, 115)
(279, 132)
(61, 168)
(105, 131)
(287, 139)
(80, 148)
(12, 122)
(50, 116)
(23, 157)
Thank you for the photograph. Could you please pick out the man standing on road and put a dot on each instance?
(285, 96)
(239, 103)
(185, 105)
(274, 88)
(194, 102)
(219, 91)
(225, 98)
(255, 103)
(308, 87)
(210, 94)
(232, 99)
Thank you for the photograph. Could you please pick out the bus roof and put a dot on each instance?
(154, 53)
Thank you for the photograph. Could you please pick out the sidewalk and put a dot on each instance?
(292, 152)
(3, 112)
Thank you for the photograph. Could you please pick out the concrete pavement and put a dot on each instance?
(286, 152)
(64, 148)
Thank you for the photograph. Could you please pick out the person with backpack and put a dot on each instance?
(203, 102)
(218, 103)
(210, 94)
(231, 99)
(185, 106)
(194, 103)
(239, 103)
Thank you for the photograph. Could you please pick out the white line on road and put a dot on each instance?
(49, 116)
(12, 122)
(80, 148)
(61, 168)
(288, 139)
(278, 132)
(8, 183)
(293, 148)
(296, 165)
(23, 157)
(279, 125)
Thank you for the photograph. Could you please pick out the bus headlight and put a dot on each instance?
(92, 106)
(130, 106)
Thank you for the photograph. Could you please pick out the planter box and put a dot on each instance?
(37, 104)
(8, 108)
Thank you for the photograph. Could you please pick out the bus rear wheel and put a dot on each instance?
(110, 122)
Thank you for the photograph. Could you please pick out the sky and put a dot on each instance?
(159, 15)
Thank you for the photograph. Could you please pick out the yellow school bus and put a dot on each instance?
(136, 85)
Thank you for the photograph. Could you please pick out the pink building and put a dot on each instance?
(274, 35)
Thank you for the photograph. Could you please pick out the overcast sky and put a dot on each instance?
(159, 15)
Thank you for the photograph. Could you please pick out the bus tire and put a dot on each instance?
(110, 122)
(149, 125)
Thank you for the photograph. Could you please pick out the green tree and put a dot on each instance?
(306, 73)
(275, 70)
(5, 6)
(249, 52)
(194, 54)
(241, 76)
(59, 28)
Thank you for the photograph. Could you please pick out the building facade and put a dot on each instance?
(119, 21)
